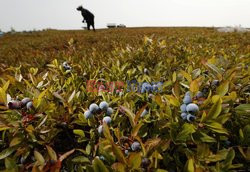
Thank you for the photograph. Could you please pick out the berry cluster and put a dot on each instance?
(95, 109)
(189, 109)
(24, 103)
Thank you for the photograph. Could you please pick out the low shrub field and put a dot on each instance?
(145, 99)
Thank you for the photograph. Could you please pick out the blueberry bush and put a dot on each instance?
(199, 120)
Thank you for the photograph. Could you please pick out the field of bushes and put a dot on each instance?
(160, 99)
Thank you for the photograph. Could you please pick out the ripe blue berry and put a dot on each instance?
(144, 113)
(192, 108)
(29, 105)
(15, 104)
(126, 152)
(100, 129)
(93, 108)
(187, 100)
(184, 116)
(103, 105)
(135, 146)
(109, 111)
(190, 118)
(25, 101)
(183, 108)
(199, 94)
(145, 162)
(188, 93)
(106, 120)
(88, 114)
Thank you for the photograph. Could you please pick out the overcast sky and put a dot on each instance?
(62, 14)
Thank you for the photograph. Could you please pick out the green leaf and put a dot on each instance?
(15, 141)
(158, 100)
(216, 127)
(6, 152)
(229, 159)
(206, 138)
(3, 96)
(194, 86)
(106, 132)
(134, 160)
(187, 76)
(72, 96)
(215, 110)
(223, 88)
(52, 153)
(130, 114)
(81, 159)
(187, 130)
(99, 166)
(118, 153)
(38, 101)
(136, 129)
(10, 164)
(118, 167)
(243, 109)
(189, 167)
(6, 86)
(39, 158)
(79, 132)
(173, 101)
(215, 70)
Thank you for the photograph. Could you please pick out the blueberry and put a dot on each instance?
(88, 114)
(145, 162)
(103, 105)
(187, 100)
(199, 94)
(144, 113)
(126, 152)
(29, 105)
(100, 129)
(14, 104)
(215, 83)
(93, 108)
(192, 108)
(190, 118)
(188, 93)
(146, 71)
(183, 108)
(109, 111)
(25, 101)
(106, 120)
(135, 146)
(184, 116)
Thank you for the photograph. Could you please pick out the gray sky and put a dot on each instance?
(61, 14)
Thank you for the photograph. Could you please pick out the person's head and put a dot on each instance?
(80, 8)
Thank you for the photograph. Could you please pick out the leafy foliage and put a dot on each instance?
(54, 135)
